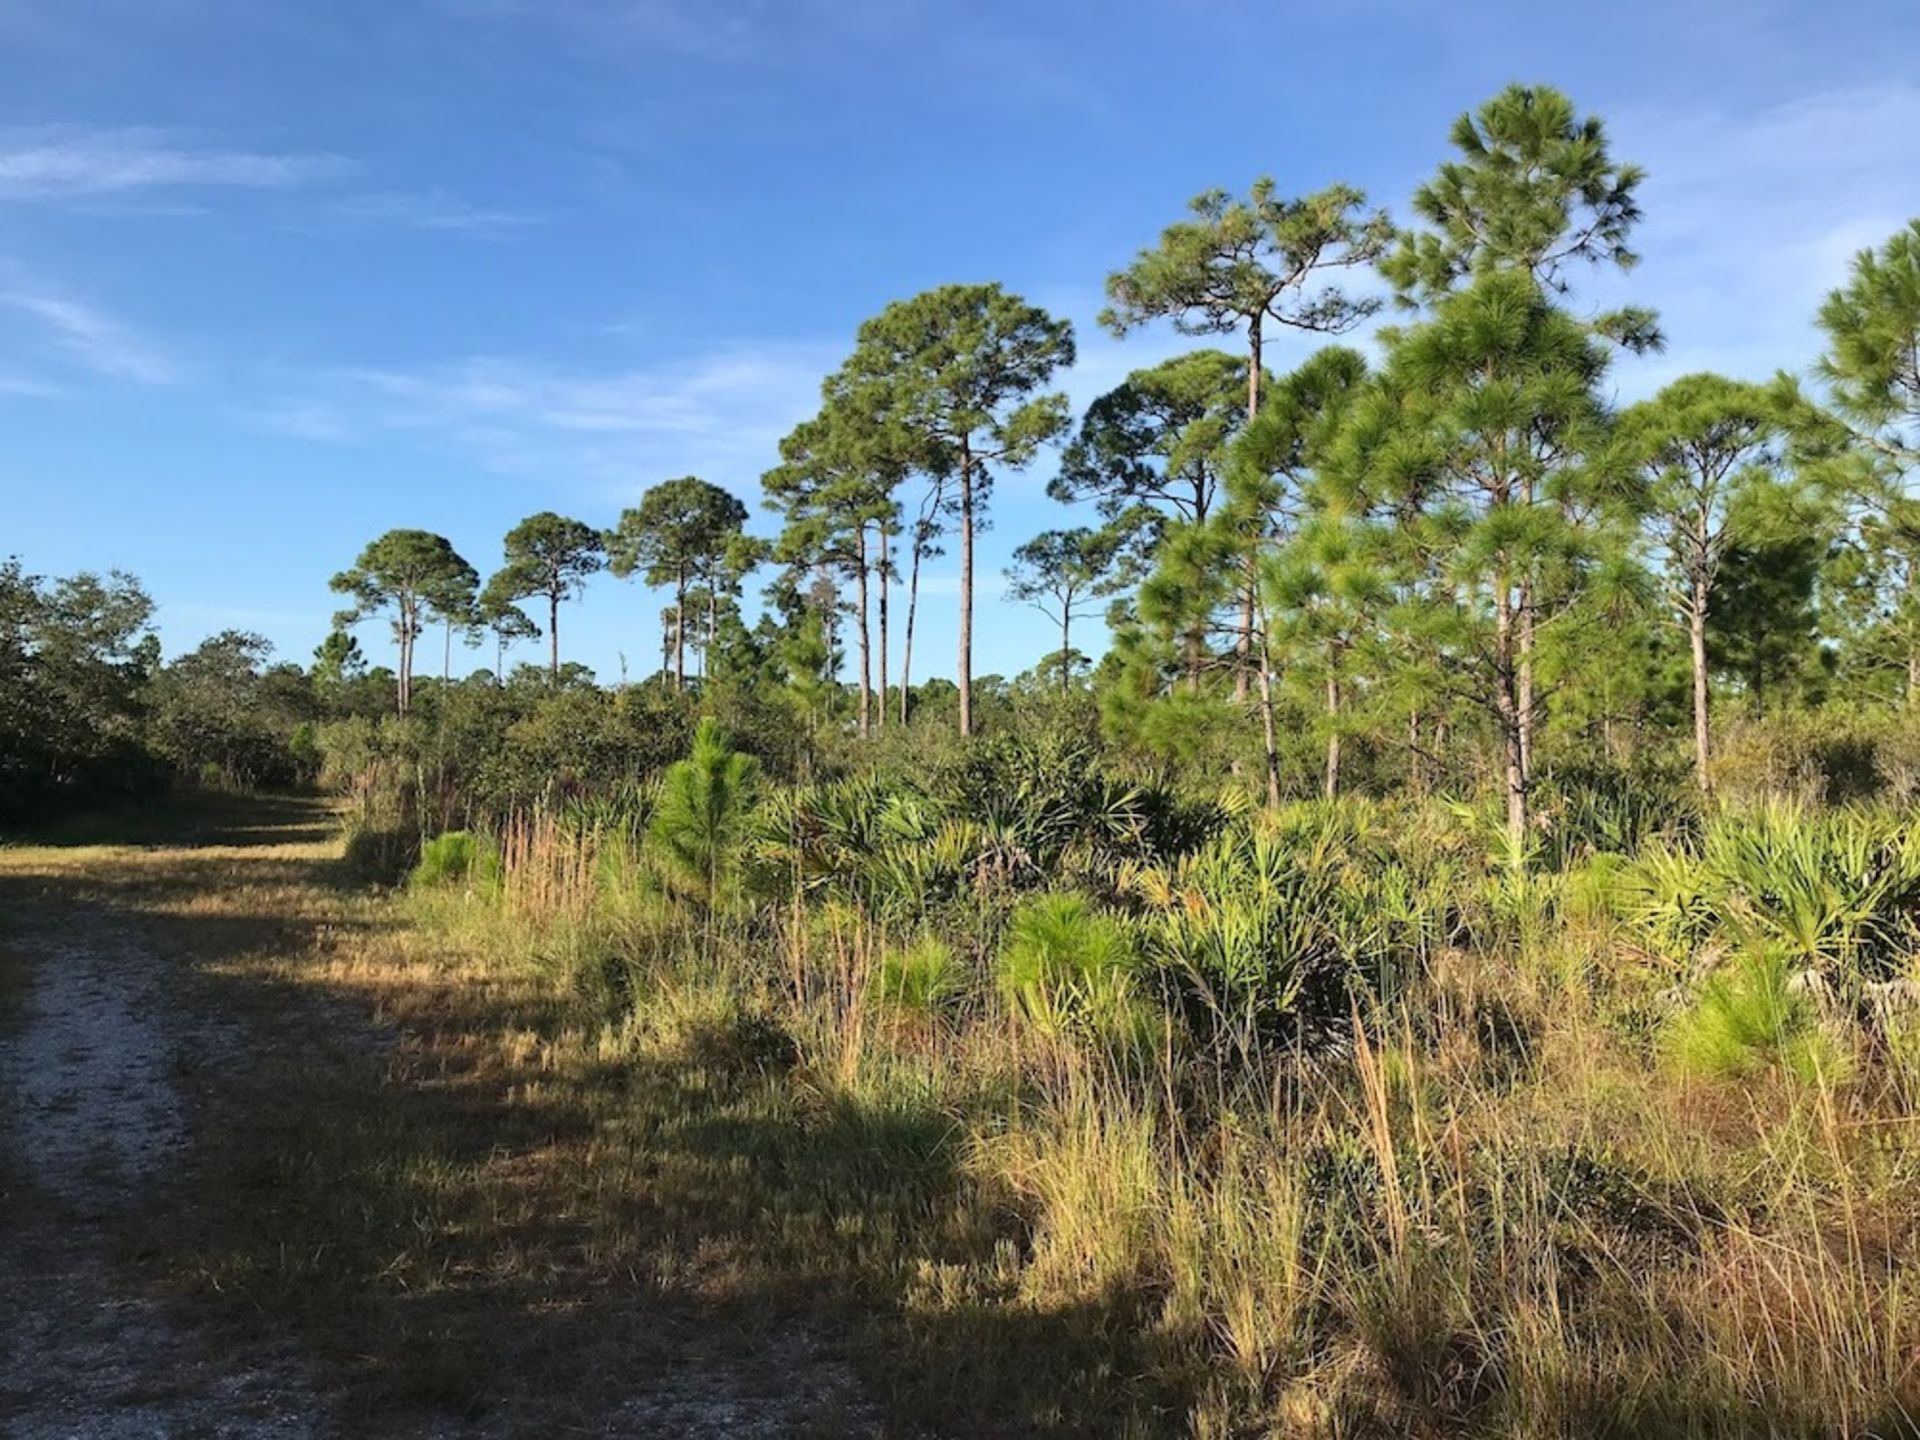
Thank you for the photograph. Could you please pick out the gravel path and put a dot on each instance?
(94, 1119)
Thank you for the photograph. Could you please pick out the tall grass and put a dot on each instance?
(1448, 1179)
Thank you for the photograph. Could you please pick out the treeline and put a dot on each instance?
(88, 710)
(1460, 562)
(1458, 565)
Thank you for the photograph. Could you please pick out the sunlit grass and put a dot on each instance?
(1493, 1206)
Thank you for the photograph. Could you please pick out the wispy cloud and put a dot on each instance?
(1753, 215)
(72, 161)
(97, 340)
(433, 210)
(720, 413)
(26, 387)
(300, 420)
(726, 29)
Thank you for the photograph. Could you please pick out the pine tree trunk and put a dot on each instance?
(1507, 712)
(1256, 342)
(913, 606)
(1256, 345)
(1269, 742)
(866, 640)
(966, 590)
(1333, 732)
(553, 633)
(1066, 642)
(1243, 649)
(1525, 691)
(680, 633)
(1697, 636)
(886, 584)
(446, 657)
(404, 680)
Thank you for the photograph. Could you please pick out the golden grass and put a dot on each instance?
(502, 1153)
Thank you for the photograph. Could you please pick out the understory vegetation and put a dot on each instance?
(1320, 1119)
(1450, 968)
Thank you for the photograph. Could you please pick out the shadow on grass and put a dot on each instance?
(189, 819)
(446, 1231)
(450, 1223)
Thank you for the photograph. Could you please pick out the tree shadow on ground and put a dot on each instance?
(191, 819)
(457, 1228)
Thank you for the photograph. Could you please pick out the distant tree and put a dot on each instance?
(834, 489)
(681, 530)
(1535, 189)
(1253, 263)
(924, 543)
(337, 660)
(497, 614)
(451, 602)
(1328, 589)
(1872, 371)
(1764, 632)
(960, 370)
(1478, 442)
(1268, 492)
(1702, 442)
(725, 582)
(76, 657)
(804, 654)
(550, 557)
(1155, 447)
(219, 713)
(412, 573)
(1060, 573)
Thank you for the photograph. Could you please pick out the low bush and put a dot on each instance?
(1065, 965)
(459, 857)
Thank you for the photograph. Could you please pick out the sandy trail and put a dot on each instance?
(94, 1119)
(98, 1102)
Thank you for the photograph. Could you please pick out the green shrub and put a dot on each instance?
(922, 977)
(1836, 892)
(1750, 1017)
(1254, 927)
(458, 857)
(1064, 964)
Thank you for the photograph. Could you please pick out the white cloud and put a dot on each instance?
(301, 420)
(720, 414)
(27, 388)
(100, 342)
(72, 161)
(432, 211)
(708, 29)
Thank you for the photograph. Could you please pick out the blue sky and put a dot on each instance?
(277, 276)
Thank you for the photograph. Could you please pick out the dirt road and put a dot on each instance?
(95, 1119)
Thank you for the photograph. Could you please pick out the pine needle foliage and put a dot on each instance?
(700, 820)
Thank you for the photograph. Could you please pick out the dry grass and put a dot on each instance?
(509, 1155)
